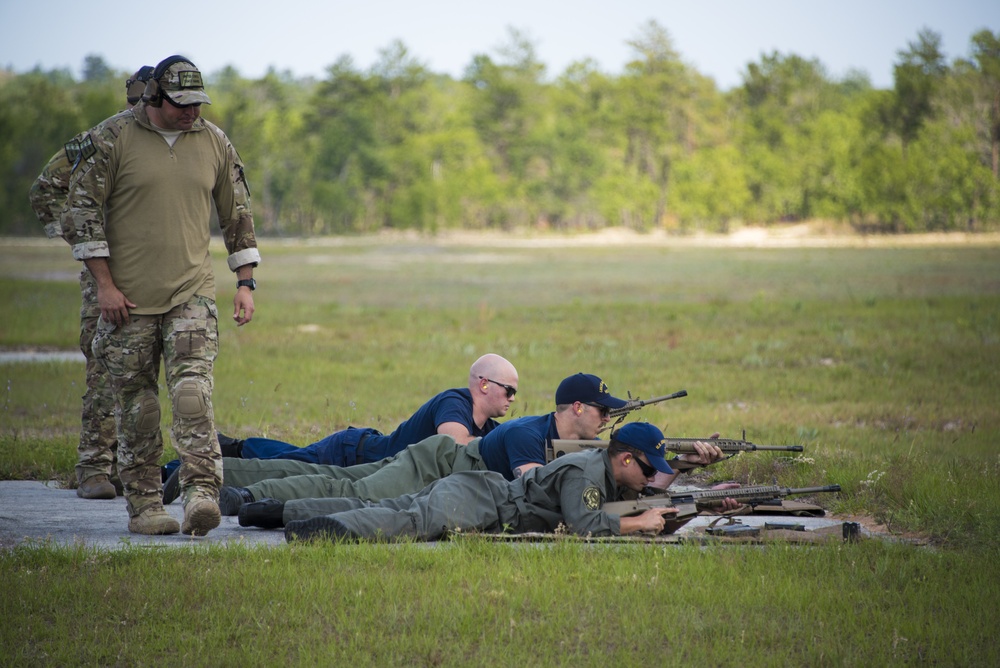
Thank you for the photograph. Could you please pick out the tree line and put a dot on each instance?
(657, 146)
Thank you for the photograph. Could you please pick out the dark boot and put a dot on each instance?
(232, 498)
(172, 486)
(231, 447)
(266, 514)
(115, 480)
(320, 527)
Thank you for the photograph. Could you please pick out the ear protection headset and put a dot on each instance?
(153, 95)
(135, 88)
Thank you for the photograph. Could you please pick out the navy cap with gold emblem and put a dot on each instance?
(588, 389)
(645, 438)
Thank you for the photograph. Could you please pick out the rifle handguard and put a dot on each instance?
(682, 465)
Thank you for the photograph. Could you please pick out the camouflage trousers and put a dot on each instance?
(98, 445)
(186, 339)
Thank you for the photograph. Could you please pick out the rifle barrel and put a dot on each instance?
(686, 445)
(678, 445)
(814, 490)
(785, 448)
(634, 404)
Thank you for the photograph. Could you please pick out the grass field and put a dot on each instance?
(881, 359)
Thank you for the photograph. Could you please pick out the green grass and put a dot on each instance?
(474, 602)
(881, 361)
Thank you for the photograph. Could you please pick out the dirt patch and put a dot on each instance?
(802, 235)
(871, 526)
(12, 356)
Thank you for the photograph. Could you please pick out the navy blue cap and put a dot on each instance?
(587, 389)
(645, 438)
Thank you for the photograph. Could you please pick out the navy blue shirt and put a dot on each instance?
(518, 442)
(449, 406)
(342, 448)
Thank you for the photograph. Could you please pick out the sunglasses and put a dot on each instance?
(604, 410)
(647, 470)
(511, 391)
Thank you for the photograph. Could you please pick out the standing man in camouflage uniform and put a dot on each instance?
(138, 215)
(96, 451)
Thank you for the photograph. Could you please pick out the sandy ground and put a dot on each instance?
(799, 235)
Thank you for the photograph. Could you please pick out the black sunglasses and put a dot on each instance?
(511, 391)
(647, 470)
(605, 411)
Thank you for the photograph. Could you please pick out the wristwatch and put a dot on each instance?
(248, 282)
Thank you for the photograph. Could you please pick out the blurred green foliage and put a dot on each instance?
(508, 147)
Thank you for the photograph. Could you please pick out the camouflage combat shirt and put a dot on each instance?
(48, 192)
(146, 207)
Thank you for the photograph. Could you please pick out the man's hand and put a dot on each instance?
(651, 521)
(727, 503)
(243, 306)
(114, 305)
(707, 453)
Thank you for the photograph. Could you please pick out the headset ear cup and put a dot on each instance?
(151, 96)
(135, 90)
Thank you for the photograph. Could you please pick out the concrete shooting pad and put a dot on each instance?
(37, 514)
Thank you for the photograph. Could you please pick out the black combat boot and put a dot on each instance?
(230, 447)
(172, 486)
(232, 498)
(265, 514)
(319, 527)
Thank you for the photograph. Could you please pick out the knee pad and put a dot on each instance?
(189, 400)
(148, 418)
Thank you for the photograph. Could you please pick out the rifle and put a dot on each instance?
(681, 446)
(636, 404)
(688, 504)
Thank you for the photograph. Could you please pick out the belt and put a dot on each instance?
(359, 452)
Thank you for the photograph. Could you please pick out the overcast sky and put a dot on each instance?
(304, 37)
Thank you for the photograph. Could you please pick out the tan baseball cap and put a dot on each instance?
(182, 83)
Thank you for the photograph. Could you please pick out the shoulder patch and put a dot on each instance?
(592, 498)
(87, 148)
(72, 149)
